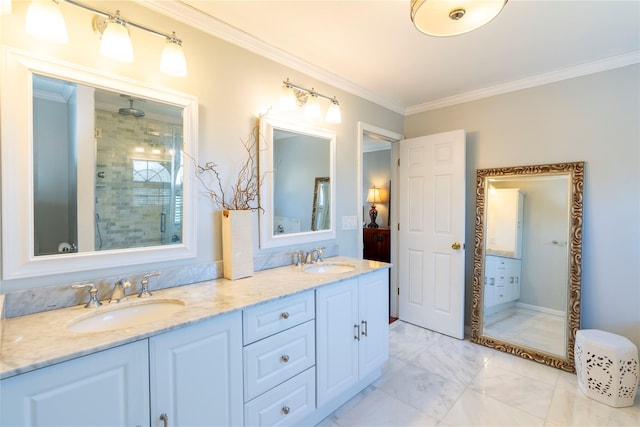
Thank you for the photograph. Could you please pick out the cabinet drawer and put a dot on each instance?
(267, 319)
(274, 360)
(287, 404)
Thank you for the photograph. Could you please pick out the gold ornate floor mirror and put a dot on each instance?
(528, 261)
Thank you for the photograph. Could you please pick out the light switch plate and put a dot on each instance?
(349, 222)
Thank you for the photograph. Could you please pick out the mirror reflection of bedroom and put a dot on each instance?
(376, 202)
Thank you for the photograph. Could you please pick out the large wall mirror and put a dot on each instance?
(527, 261)
(297, 164)
(93, 172)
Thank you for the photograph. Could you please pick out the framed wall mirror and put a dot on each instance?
(297, 164)
(93, 172)
(527, 261)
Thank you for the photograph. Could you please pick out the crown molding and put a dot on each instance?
(610, 63)
(208, 24)
(217, 28)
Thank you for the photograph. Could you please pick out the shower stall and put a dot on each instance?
(138, 181)
(107, 170)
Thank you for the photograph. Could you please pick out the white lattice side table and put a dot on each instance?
(607, 367)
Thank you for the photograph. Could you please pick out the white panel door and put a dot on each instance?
(196, 374)
(431, 237)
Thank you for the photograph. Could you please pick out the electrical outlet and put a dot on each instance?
(349, 222)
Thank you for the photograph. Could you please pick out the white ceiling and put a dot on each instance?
(370, 48)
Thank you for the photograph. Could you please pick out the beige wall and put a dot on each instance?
(595, 118)
(233, 86)
(592, 118)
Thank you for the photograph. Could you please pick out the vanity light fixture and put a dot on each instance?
(116, 43)
(5, 7)
(294, 95)
(453, 17)
(45, 21)
(172, 61)
(312, 107)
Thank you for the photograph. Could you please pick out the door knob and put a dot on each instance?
(456, 245)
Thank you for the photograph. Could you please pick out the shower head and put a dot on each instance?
(131, 111)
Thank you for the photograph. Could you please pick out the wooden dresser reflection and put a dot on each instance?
(377, 244)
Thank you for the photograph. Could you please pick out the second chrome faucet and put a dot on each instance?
(119, 289)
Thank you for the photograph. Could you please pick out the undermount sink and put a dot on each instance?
(332, 268)
(125, 315)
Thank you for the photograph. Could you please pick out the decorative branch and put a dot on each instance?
(245, 191)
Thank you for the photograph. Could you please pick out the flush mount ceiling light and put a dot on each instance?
(294, 95)
(453, 17)
(45, 21)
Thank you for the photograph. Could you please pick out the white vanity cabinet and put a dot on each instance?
(108, 388)
(502, 280)
(193, 375)
(196, 374)
(352, 333)
(279, 361)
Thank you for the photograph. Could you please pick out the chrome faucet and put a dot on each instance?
(93, 295)
(144, 292)
(118, 294)
(309, 259)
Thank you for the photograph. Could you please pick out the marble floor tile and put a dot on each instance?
(373, 407)
(434, 380)
(457, 360)
(570, 407)
(476, 409)
(514, 389)
(525, 367)
(408, 340)
(422, 389)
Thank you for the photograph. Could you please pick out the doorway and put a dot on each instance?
(377, 170)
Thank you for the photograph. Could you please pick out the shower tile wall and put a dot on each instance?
(128, 212)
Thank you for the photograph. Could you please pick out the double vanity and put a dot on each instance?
(284, 347)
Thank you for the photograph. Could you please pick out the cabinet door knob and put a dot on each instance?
(284, 358)
(284, 315)
(286, 410)
(456, 246)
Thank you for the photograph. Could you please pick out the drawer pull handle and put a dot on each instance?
(165, 419)
(286, 410)
(284, 358)
(356, 333)
(365, 329)
(284, 315)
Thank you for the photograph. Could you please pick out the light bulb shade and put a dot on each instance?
(373, 196)
(333, 113)
(172, 61)
(116, 43)
(453, 17)
(288, 99)
(44, 21)
(312, 108)
(5, 7)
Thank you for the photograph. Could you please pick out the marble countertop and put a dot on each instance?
(42, 339)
